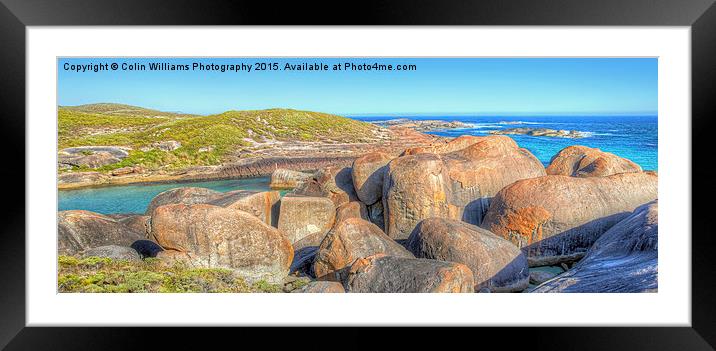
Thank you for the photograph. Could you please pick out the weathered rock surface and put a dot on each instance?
(389, 274)
(348, 241)
(95, 160)
(115, 252)
(288, 179)
(211, 236)
(266, 165)
(368, 173)
(496, 263)
(582, 161)
(335, 183)
(262, 204)
(539, 277)
(82, 177)
(303, 216)
(353, 209)
(138, 223)
(321, 287)
(127, 170)
(557, 218)
(116, 151)
(313, 240)
(456, 144)
(184, 195)
(415, 187)
(623, 260)
(168, 145)
(81, 230)
(479, 171)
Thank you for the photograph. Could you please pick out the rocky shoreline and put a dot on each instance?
(541, 132)
(471, 214)
(260, 161)
(423, 125)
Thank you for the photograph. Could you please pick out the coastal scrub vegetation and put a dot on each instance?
(99, 274)
(205, 140)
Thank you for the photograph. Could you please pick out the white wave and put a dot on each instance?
(604, 134)
(524, 122)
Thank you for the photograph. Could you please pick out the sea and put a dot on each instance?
(632, 137)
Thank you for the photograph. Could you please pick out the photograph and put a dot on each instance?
(357, 174)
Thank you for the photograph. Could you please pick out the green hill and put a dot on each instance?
(123, 110)
(205, 140)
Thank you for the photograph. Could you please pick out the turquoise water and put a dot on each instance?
(632, 137)
(136, 198)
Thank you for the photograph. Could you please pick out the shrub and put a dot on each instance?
(104, 275)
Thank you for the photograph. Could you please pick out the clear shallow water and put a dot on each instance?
(136, 198)
(632, 137)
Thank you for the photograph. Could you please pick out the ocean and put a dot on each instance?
(632, 137)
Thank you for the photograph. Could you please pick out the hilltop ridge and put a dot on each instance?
(111, 108)
(158, 140)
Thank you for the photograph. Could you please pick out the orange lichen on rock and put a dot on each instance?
(523, 226)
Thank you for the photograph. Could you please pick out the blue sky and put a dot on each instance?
(489, 86)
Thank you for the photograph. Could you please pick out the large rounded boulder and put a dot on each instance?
(477, 172)
(304, 216)
(390, 274)
(557, 218)
(348, 241)
(623, 260)
(415, 187)
(368, 173)
(335, 183)
(262, 204)
(496, 264)
(79, 230)
(353, 209)
(211, 236)
(582, 161)
(458, 184)
(183, 195)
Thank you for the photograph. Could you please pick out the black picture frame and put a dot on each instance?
(700, 15)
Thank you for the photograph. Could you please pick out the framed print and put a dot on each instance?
(453, 164)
